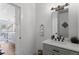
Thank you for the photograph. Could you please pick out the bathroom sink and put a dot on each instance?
(66, 40)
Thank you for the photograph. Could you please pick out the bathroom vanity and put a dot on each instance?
(51, 47)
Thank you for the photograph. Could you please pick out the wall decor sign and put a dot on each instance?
(65, 24)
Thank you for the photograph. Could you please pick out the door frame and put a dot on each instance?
(18, 25)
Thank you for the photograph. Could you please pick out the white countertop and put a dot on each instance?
(66, 44)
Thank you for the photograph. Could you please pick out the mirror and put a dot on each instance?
(60, 22)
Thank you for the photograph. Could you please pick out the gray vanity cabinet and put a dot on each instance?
(54, 50)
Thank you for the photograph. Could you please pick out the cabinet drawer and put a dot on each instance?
(48, 53)
(58, 50)
(47, 50)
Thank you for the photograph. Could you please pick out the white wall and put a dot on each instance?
(73, 19)
(27, 43)
(43, 16)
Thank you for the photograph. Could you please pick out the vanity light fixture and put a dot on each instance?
(60, 7)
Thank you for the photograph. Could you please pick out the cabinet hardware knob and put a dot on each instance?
(55, 50)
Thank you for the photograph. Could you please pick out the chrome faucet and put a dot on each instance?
(58, 37)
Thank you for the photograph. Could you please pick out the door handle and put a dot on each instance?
(19, 37)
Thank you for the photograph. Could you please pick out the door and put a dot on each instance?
(9, 28)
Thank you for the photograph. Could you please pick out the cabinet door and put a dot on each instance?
(49, 50)
(57, 50)
(45, 52)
